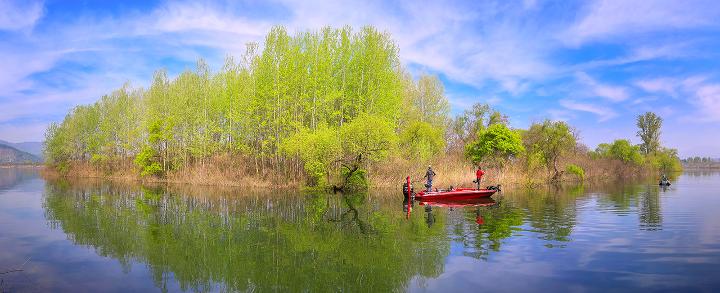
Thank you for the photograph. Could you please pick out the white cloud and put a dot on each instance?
(644, 100)
(614, 18)
(561, 115)
(602, 112)
(697, 90)
(659, 85)
(176, 17)
(707, 98)
(18, 15)
(610, 92)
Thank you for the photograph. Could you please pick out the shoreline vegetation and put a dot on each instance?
(328, 109)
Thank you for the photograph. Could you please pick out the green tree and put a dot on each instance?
(369, 137)
(623, 150)
(318, 150)
(428, 102)
(665, 160)
(465, 127)
(649, 126)
(551, 141)
(421, 141)
(496, 143)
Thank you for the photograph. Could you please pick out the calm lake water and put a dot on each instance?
(95, 236)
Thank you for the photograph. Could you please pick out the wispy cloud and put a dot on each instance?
(597, 89)
(707, 98)
(699, 90)
(659, 85)
(602, 112)
(607, 19)
(19, 15)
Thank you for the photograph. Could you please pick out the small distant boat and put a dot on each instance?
(454, 194)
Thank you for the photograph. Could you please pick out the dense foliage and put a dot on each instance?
(305, 102)
(649, 154)
(324, 106)
(621, 149)
(576, 170)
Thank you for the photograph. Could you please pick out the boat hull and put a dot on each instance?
(457, 194)
(459, 203)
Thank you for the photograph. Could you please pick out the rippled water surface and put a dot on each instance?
(94, 236)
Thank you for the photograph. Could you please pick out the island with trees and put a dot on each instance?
(324, 108)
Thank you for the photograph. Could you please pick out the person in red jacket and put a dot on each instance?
(478, 175)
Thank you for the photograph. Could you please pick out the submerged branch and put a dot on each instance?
(20, 269)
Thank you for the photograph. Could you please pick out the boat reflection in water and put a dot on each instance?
(474, 202)
(478, 203)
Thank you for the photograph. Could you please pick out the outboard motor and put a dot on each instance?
(491, 187)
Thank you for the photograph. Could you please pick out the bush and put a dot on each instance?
(576, 170)
(63, 167)
(317, 149)
(620, 149)
(665, 160)
(145, 159)
(355, 181)
(102, 161)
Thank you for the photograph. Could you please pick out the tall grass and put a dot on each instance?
(452, 170)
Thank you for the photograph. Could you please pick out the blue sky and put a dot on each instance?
(595, 64)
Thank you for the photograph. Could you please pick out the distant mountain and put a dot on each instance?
(11, 155)
(32, 147)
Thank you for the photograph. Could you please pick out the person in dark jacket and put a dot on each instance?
(429, 174)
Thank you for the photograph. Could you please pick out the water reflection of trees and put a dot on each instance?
(549, 214)
(209, 240)
(248, 242)
(650, 211)
(626, 199)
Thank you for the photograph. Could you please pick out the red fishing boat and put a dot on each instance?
(454, 194)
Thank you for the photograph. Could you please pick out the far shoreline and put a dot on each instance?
(50, 174)
(39, 166)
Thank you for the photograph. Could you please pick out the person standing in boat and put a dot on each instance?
(429, 174)
(478, 175)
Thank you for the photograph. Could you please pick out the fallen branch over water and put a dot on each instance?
(20, 269)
